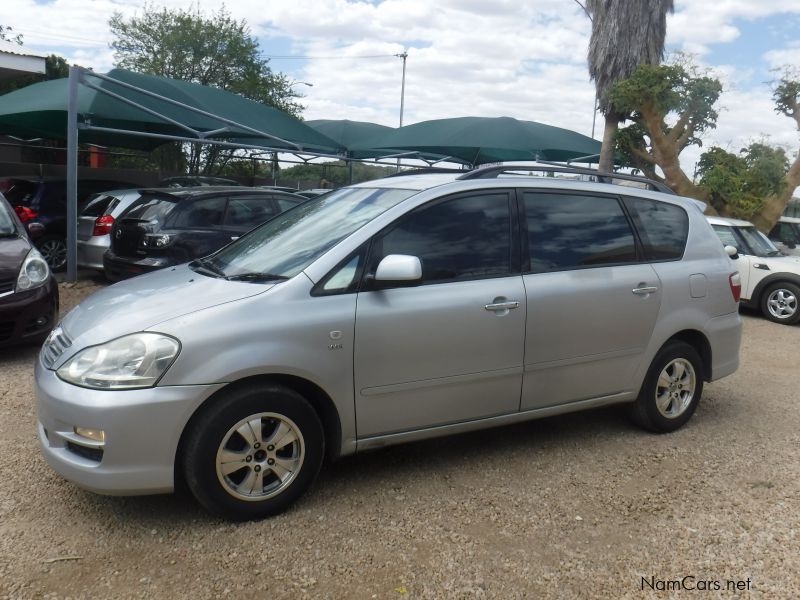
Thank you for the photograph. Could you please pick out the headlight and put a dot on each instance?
(133, 361)
(34, 271)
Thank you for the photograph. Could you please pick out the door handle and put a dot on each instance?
(234, 238)
(502, 306)
(644, 290)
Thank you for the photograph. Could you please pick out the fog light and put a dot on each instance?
(97, 435)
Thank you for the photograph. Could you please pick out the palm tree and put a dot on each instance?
(625, 34)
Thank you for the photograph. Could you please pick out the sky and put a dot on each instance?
(465, 57)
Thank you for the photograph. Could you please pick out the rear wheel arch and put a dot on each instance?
(700, 343)
(315, 395)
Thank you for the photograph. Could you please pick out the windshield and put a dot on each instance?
(758, 243)
(7, 226)
(287, 244)
(747, 240)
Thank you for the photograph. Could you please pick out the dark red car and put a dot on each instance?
(28, 291)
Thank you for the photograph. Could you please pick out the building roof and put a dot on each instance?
(17, 60)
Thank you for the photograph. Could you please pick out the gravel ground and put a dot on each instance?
(578, 506)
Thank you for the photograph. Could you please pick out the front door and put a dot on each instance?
(448, 349)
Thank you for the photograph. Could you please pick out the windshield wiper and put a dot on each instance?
(207, 268)
(774, 253)
(256, 277)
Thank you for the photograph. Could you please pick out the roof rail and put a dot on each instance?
(602, 177)
(426, 170)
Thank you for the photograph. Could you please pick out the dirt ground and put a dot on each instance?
(579, 506)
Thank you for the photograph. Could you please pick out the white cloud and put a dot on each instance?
(466, 57)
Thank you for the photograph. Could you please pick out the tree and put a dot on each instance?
(670, 107)
(625, 34)
(7, 34)
(649, 98)
(214, 50)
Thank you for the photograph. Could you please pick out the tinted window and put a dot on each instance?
(463, 238)
(199, 214)
(287, 203)
(97, 206)
(663, 227)
(568, 232)
(784, 232)
(151, 209)
(244, 212)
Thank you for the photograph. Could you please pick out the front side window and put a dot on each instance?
(572, 232)
(458, 239)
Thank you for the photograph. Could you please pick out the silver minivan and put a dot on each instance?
(386, 312)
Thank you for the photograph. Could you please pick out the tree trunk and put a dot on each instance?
(775, 205)
(606, 162)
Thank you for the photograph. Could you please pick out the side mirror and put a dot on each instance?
(399, 267)
(732, 252)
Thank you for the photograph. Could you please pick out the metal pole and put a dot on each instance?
(404, 56)
(72, 174)
(349, 172)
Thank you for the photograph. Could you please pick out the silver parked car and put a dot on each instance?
(387, 312)
(95, 223)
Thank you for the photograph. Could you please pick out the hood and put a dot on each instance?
(145, 301)
(781, 263)
(13, 251)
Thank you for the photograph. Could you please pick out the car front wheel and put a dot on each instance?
(54, 250)
(253, 452)
(671, 389)
(779, 303)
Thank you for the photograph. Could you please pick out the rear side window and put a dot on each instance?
(463, 238)
(287, 203)
(249, 212)
(152, 209)
(197, 214)
(97, 205)
(573, 232)
(663, 227)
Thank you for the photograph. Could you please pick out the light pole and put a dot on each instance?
(404, 56)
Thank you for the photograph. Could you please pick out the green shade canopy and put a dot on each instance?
(479, 140)
(40, 110)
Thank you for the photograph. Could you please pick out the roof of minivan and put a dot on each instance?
(727, 221)
(424, 181)
(789, 220)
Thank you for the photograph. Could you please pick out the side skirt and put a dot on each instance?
(390, 439)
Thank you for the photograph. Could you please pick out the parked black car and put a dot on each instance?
(41, 205)
(28, 292)
(165, 228)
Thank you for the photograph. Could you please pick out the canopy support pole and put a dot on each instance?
(72, 174)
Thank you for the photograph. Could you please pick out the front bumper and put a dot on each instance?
(142, 430)
(28, 316)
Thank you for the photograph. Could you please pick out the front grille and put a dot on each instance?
(6, 287)
(54, 346)
(95, 454)
(6, 330)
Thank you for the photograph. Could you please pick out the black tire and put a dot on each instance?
(656, 401)
(53, 249)
(780, 303)
(220, 493)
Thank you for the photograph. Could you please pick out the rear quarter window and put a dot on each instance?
(150, 208)
(663, 227)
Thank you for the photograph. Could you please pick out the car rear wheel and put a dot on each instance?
(253, 452)
(54, 250)
(779, 303)
(671, 390)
